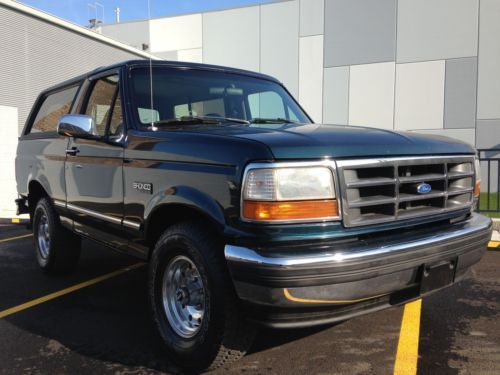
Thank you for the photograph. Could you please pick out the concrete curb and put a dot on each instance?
(496, 224)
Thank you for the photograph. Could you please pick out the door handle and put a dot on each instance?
(72, 151)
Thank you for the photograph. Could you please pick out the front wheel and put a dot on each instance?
(194, 305)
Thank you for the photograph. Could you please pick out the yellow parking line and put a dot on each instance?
(71, 289)
(15, 238)
(407, 354)
(493, 244)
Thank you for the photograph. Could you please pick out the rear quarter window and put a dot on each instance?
(53, 106)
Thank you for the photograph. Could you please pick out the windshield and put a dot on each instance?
(198, 94)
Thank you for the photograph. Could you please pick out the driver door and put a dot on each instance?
(94, 167)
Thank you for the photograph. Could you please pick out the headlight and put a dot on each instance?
(289, 194)
(477, 170)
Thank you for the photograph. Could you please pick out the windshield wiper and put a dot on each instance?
(278, 120)
(230, 119)
(186, 120)
(195, 120)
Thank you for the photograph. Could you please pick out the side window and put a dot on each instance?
(100, 102)
(116, 123)
(266, 105)
(292, 115)
(53, 107)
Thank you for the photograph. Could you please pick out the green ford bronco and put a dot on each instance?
(247, 212)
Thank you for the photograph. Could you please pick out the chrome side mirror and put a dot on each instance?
(78, 126)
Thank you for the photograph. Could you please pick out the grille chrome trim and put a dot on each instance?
(381, 190)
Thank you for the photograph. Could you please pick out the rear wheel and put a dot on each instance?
(57, 249)
(194, 305)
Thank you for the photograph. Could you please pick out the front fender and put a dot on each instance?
(188, 197)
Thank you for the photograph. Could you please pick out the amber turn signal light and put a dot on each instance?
(290, 210)
(477, 189)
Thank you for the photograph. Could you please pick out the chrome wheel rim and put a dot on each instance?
(183, 295)
(43, 236)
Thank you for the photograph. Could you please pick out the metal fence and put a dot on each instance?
(489, 200)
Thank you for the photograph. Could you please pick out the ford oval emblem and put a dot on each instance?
(424, 188)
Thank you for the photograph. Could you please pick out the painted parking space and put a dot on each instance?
(494, 245)
(104, 327)
(9, 232)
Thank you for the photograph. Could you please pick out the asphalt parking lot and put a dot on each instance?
(96, 321)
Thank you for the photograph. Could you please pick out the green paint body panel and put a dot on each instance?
(199, 167)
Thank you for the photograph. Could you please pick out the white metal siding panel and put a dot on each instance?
(231, 38)
(488, 89)
(279, 43)
(36, 55)
(419, 95)
(336, 95)
(311, 76)
(371, 95)
(176, 33)
(8, 144)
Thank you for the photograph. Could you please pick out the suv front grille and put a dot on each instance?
(383, 190)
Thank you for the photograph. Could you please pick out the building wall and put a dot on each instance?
(37, 54)
(431, 66)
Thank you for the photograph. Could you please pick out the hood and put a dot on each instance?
(290, 141)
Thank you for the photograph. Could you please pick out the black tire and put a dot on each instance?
(60, 254)
(224, 334)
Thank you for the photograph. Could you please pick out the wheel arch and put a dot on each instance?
(179, 204)
(167, 214)
(35, 191)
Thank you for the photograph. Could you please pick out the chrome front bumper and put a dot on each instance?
(351, 272)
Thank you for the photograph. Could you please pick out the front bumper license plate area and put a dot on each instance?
(438, 275)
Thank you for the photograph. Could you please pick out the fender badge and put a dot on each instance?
(145, 187)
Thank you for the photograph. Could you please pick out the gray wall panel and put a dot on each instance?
(359, 32)
(231, 38)
(312, 17)
(436, 29)
(488, 96)
(279, 43)
(460, 93)
(132, 33)
(488, 136)
(488, 133)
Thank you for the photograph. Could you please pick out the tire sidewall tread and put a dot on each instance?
(64, 249)
(225, 334)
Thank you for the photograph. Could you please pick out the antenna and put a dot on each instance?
(151, 77)
(99, 5)
(94, 20)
